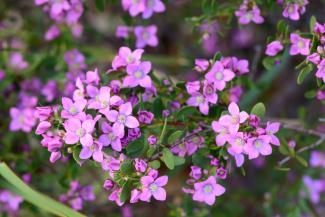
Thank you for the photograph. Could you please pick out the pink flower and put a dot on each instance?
(291, 11)
(299, 45)
(234, 119)
(237, 143)
(52, 33)
(152, 6)
(321, 70)
(192, 86)
(94, 150)
(223, 133)
(273, 48)
(314, 58)
(153, 187)
(209, 92)
(247, 15)
(258, 145)
(239, 158)
(79, 131)
(122, 118)
(198, 100)
(134, 7)
(219, 75)
(126, 57)
(207, 191)
(146, 36)
(317, 159)
(101, 99)
(22, 119)
(201, 65)
(73, 109)
(17, 62)
(109, 138)
(138, 75)
(271, 129)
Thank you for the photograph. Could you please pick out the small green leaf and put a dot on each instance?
(136, 147)
(304, 72)
(157, 107)
(100, 5)
(200, 159)
(154, 164)
(127, 167)
(302, 161)
(126, 191)
(178, 160)
(174, 136)
(312, 23)
(310, 94)
(186, 111)
(284, 169)
(75, 154)
(168, 158)
(282, 26)
(217, 56)
(258, 109)
(268, 62)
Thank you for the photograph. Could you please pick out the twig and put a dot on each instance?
(306, 148)
(303, 130)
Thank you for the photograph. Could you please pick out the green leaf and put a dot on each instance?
(310, 94)
(39, 200)
(178, 160)
(127, 167)
(258, 109)
(295, 213)
(136, 147)
(302, 161)
(174, 136)
(282, 26)
(100, 5)
(312, 23)
(154, 164)
(126, 191)
(284, 169)
(304, 72)
(186, 111)
(200, 159)
(268, 62)
(217, 56)
(75, 154)
(157, 107)
(168, 158)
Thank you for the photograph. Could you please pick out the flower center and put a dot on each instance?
(104, 103)
(300, 44)
(145, 35)
(208, 189)
(121, 119)
(249, 16)
(239, 142)
(199, 99)
(73, 110)
(218, 76)
(129, 59)
(153, 187)
(258, 143)
(234, 119)
(138, 74)
(111, 136)
(21, 119)
(209, 90)
(80, 132)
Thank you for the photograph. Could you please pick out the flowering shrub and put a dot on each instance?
(140, 113)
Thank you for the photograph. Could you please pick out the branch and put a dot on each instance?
(303, 149)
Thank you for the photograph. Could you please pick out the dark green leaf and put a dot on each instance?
(155, 164)
(258, 109)
(75, 154)
(302, 161)
(126, 191)
(127, 167)
(312, 23)
(304, 72)
(178, 160)
(157, 107)
(135, 148)
(174, 136)
(168, 158)
(100, 5)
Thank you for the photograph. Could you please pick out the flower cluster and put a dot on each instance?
(249, 12)
(66, 13)
(244, 135)
(77, 194)
(203, 93)
(9, 203)
(146, 7)
(294, 9)
(144, 35)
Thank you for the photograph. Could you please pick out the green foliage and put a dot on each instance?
(168, 158)
(304, 72)
(258, 109)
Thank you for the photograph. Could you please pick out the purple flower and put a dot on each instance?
(192, 86)
(235, 118)
(221, 173)
(50, 90)
(79, 131)
(101, 99)
(10, 202)
(317, 159)
(299, 45)
(122, 32)
(152, 139)
(196, 172)
(223, 133)
(321, 70)
(247, 13)
(134, 7)
(22, 119)
(152, 6)
(273, 48)
(198, 100)
(201, 65)
(115, 196)
(146, 36)
(234, 93)
(219, 75)
(314, 58)
(153, 187)
(207, 191)
(109, 138)
(258, 145)
(209, 92)
(138, 75)
(126, 57)
(237, 143)
(239, 158)
(145, 117)
(140, 165)
(17, 62)
(108, 184)
(52, 33)
(73, 109)
(122, 118)
(94, 150)
(42, 127)
(134, 133)
(314, 188)
(271, 129)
